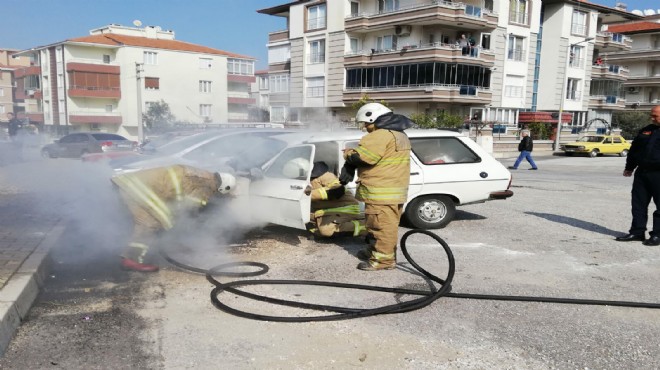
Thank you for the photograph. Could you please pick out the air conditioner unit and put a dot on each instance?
(402, 30)
(29, 92)
(633, 90)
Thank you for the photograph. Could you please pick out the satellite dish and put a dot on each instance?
(158, 28)
(137, 23)
(637, 12)
(649, 12)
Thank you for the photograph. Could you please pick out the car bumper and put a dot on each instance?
(501, 194)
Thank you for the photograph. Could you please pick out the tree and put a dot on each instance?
(438, 120)
(158, 116)
(365, 99)
(630, 122)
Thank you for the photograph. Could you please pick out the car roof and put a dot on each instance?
(345, 135)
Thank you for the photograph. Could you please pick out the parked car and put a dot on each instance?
(242, 149)
(593, 145)
(447, 170)
(80, 143)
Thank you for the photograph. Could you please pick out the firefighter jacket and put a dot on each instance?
(165, 191)
(320, 200)
(385, 177)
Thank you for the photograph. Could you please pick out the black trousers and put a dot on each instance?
(646, 186)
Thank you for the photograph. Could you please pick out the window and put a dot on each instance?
(109, 108)
(279, 83)
(317, 51)
(316, 17)
(354, 45)
(205, 86)
(575, 56)
(205, 63)
(205, 110)
(515, 51)
(106, 58)
(355, 8)
(286, 165)
(279, 54)
(442, 150)
(315, 87)
(263, 83)
(485, 41)
(572, 89)
(518, 11)
(385, 6)
(386, 43)
(579, 23)
(31, 82)
(152, 83)
(150, 57)
(2, 91)
(514, 86)
(240, 67)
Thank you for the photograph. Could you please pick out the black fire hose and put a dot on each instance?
(343, 313)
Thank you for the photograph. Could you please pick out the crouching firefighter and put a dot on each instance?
(382, 160)
(333, 209)
(157, 197)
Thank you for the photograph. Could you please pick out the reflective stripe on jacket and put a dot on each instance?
(320, 187)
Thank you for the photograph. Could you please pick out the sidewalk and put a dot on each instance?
(26, 235)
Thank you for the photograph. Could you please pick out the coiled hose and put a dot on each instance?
(426, 297)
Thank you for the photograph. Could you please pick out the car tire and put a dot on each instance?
(83, 152)
(45, 153)
(568, 154)
(593, 153)
(623, 153)
(430, 212)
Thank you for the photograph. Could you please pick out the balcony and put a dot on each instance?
(468, 17)
(609, 72)
(95, 117)
(633, 55)
(29, 93)
(278, 36)
(608, 41)
(642, 104)
(248, 79)
(27, 71)
(607, 102)
(643, 80)
(76, 91)
(437, 52)
(37, 117)
(424, 94)
(241, 100)
(93, 67)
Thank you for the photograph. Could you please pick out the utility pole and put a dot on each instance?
(139, 68)
(562, 96)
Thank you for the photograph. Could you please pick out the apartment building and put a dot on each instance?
(11, 98)
(105, 80)
(506, 62)
(642, 87)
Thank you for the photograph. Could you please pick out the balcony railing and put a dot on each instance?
(578, 29)
(576, 62)
(516, 54)
(463, 89)
(94, 88)
(91, 61)
(470, 10)
(315, 23)
(316, 58)
(452, 50)
(573, 95)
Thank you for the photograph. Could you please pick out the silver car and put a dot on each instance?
(80, 143)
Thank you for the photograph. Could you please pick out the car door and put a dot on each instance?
(606, 146)
(66, 144)
(279, 197)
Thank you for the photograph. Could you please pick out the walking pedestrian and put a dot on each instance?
(644, 159)
(14, 129)
(382, 160)
(525, 148)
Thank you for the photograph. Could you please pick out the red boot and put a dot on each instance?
(128, 264)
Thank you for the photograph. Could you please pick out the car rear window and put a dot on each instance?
(442, 150)
(104, 137)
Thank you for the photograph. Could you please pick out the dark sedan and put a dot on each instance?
(80, 143)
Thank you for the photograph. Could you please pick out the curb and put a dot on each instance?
(20, 292)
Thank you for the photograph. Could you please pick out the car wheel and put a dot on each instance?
(47, 153)
(83, 152)
(430, 212)
(593, 153)
(623, 153)
(569, 154)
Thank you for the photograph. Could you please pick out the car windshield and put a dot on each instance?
(106, 137)
(178, 145)
(591, 139)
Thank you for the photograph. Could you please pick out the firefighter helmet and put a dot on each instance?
(296, 168)
(226, 182)
(370, 111)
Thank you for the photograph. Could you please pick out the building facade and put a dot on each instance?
(12, 97)
(106, 80)
(504, 62)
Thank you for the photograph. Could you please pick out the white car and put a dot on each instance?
(447, 169)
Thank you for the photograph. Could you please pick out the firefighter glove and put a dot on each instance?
(336, 193)
(347, 174)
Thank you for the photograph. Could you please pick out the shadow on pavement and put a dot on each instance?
(589, 226)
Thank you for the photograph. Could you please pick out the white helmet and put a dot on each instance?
(226, 182)
(296, 168)
(370, 111)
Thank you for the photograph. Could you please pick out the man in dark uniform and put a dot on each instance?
(644, 159)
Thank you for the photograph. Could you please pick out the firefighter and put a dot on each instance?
(382, 160)
(333, 209)
(157, 196)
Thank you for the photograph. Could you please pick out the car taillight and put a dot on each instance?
(134, 144)
(106, 144)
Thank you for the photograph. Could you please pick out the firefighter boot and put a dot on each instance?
(128, 264)
(369, 266)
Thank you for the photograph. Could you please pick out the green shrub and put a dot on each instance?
(630, 122)
(540, 130)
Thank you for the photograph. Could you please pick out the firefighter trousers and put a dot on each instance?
(145, 227)
(328, 225)
(382, 222)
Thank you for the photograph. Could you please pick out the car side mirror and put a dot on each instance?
(256, 174)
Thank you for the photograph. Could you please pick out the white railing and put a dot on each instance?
(470, 10)
(474, 51)
(578, 29)
(91, 61)
(573, 95)
(94, 113)
(518, 17)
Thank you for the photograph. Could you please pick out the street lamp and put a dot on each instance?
(562, 96)
(139, 68)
